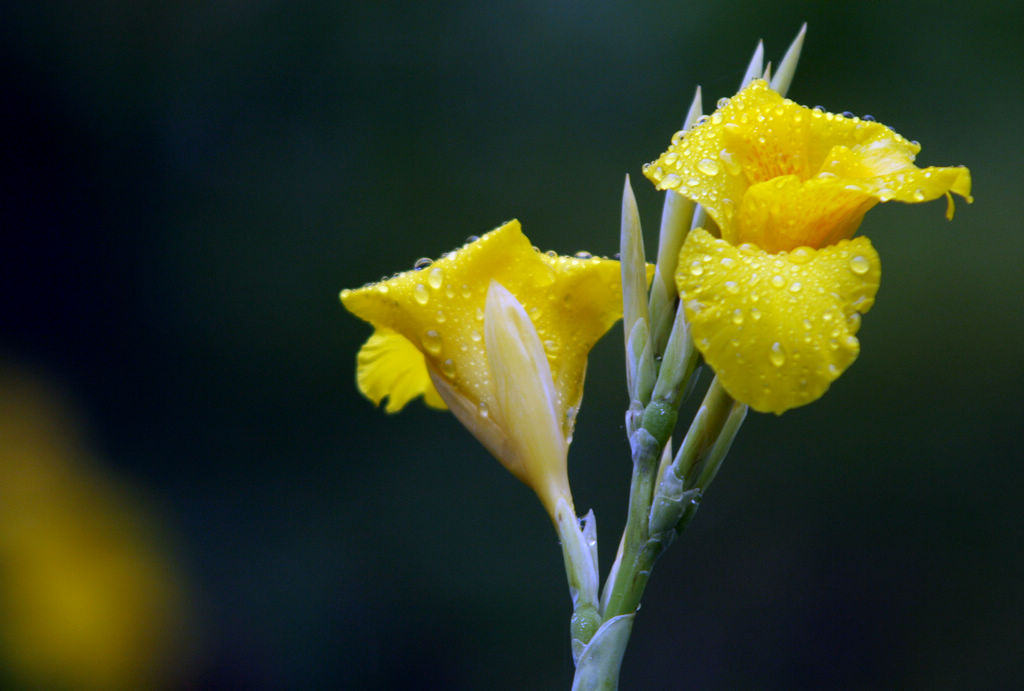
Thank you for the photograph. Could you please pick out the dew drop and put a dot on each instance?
(422, 263)
(755, 313)
(382, 288)
(670, 158)
(432, 342)
(801, 255)
(807, 324)
(778, 281)
(484, 412)
(475, 336)
(728, 262)
(732, 287)
(345, 293)
(671, 181)
(919, 195)
(696, 268)
(732, 166)
(435, 277)
(859, 264)
(419, 293)
(709, 166)
(795, 287)
(448, 368)
(777, 354)
(737, 316)
(583, 254)
(853, 322)
(472, 238)
(723, 102)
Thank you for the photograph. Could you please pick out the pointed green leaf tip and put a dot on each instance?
(756, 67)
(784, 75)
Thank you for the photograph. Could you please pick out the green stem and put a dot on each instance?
(629, 576)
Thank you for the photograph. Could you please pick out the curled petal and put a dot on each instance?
(780, 175)
(388, 365)
(777, 329)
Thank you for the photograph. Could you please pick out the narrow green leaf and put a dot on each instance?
(784, 75)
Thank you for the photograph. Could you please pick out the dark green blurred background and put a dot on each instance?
(188, 185)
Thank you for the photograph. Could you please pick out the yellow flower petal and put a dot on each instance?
(430, 325)
(776, 328)
(439, 309)
(525, 398)
(782, 176)
(388, 365)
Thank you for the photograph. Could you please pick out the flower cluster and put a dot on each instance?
(775, 288)
(499, 333)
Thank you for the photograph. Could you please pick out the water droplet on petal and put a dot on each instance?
(671, 181)
(440, 317)
(709, 166)
(777, 354)
(422, 263)
(475, 336)
(435, 277)
(448, 368)
(432, 342)
(583, 254)
(382, 288)
(732, 287)
(472, 238)
(859, 264)
(484, 412)
(723, 102)
(732, 166)
(795, 287)
(420, 294)
(755, 313)
(801, 255)
(778, 281)
(696, 268)
(919, 195)
(737, 316)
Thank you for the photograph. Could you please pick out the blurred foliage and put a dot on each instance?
(88, 599)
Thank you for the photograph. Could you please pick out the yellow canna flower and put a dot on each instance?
(499, 333)
(775, 301)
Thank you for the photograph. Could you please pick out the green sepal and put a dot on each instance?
(787, 67)
(599, 663)
(756, 66)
